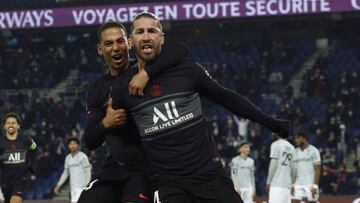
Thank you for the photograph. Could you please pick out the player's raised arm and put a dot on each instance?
(236, 103)
(171, 55)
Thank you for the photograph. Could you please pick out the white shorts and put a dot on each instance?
(302, 192)
(279, 195)
(75, 194)
(247, 194)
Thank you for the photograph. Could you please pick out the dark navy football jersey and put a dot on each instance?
(16, 158)
(170, 120)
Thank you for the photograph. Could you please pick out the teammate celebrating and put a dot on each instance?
(183, 161)
(308, 162)
(282, 170)
(243, 173)
(76, 166)
(16, 160)
(123, 177)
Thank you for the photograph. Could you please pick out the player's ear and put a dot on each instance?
(162, 38)
(129, 43)
(130, 40)
(99, 50)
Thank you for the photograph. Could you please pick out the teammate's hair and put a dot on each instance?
(145, 14)
(108, 25)
(303, 135)
(75, 139)
(244, 143)
(12, 115)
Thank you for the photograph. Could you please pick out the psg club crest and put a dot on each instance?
(155, 90)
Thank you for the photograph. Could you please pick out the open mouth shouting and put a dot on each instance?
(118, 58)
(147, 48)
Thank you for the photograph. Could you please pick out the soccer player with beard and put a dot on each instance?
(16, 159)
(184, 164)
(308, 161)
(123, 178)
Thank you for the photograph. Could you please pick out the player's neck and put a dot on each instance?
(12, 137)
(114, 72)
(304, 146)
(243, 156)
(74, 153)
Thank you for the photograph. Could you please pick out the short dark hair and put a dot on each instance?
(303, 135)
(12, 115)
(75, 139)
(108, 25)
(145, 14)
(244, 143)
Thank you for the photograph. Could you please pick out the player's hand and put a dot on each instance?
(57, 190)
(267, 188)
(138, 83)
(314, 190)
(114, 118)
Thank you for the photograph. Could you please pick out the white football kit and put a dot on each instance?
(280, 185)
(242, 175)
(306, 159)
(78, 167)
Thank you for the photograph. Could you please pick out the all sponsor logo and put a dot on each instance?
(167, 117)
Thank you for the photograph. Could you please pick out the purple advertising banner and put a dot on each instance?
(169, 11)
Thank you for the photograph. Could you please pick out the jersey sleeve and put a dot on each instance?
(232, 163)
(274, 152)
(66, 164)
(94, 134)
(233, 101)
(315, 157)
(171, 54)
(85, 161)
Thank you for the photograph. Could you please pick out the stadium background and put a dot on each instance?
(304, 68)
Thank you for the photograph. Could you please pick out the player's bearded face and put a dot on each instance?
(11, 126)
(146, 38)
(114, 47)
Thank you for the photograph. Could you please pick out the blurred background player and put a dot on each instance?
(243, 173)
(16, 160)
(78, 167)
(281, 170)
(308, 161)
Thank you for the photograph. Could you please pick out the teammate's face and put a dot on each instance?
(114, 47)
(11, 126)
(146, 38)
(299, 141)
(245, 150)
(73, 146)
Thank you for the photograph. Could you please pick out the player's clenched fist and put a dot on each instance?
(114, 118)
